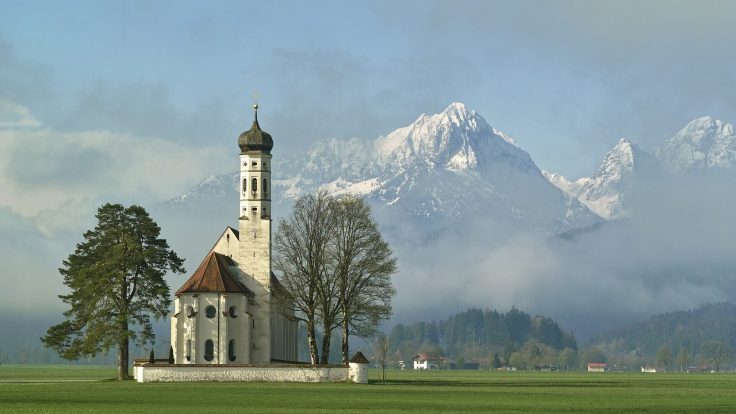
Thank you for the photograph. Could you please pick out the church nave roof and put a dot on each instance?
(213, 276)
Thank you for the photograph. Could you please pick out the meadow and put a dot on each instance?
(55, 389)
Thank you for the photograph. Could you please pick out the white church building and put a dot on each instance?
(226, 313)
(227, 324)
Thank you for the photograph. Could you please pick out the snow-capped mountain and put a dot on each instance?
(430, 174)
(704, 143)
(214, 186)
(624, 168)
(571, 188)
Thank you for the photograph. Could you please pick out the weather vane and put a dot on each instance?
(255, 100)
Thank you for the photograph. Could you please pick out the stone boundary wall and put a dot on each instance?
(179, 373)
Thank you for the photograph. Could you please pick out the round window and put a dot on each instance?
(233, 312)
(210, 311)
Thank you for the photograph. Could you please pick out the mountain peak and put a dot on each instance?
(457, 108)
(705, 142)
(605, 191)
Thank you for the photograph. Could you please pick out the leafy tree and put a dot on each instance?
(496, 361)
(568, 358)
(593, 354)
(532, 353)
(718, 353)
(171, 355)
(459, 363)
(363, 266)
(516, 360)
(664, 356)
(116, 277)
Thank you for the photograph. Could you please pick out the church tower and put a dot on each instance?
(255, 230)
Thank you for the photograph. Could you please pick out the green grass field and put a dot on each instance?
(52, 389)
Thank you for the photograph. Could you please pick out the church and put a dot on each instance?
(227, 312)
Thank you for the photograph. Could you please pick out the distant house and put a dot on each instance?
(597, 367)
(424, 360)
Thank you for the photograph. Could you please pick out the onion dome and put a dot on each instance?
(255, 139)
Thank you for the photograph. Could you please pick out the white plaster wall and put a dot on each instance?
(269, 374)
(358, 372)
(255, 259)
(284, 334)
(220, 329)
(228, 245)
(249, 198)
(236, 328)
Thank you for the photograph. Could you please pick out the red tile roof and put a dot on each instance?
(359, 358)
(213, 276)
(423, 356)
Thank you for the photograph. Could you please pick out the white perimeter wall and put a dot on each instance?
(224, 373)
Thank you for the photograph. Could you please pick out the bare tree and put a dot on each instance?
(300, 255)
(380, 352)
(337, 268)
(328, 301)
(363, 266)
(718, 353)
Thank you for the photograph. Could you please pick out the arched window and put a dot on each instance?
(210, 311)
(231, 350)
(209, 350)
(245, 184)
(254, 184)
(265, 187)
(190, 311)
(233, 312)
(188, 356)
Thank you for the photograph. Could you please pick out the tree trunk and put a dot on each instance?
(345, 343)
(123, 352)
(326, 345)
(312, 342)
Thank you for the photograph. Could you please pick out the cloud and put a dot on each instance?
(13, 115)
(62, 173)
(314, 94)
(675, 254)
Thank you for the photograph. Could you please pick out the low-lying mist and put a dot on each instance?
(676, 251)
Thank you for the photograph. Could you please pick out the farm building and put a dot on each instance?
(424, 360)
(597, 367)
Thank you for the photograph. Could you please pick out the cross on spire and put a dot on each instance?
(255, 104)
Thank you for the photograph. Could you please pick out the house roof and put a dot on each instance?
(359, 358)
(423, 356)
(213, 275)
(597, 364)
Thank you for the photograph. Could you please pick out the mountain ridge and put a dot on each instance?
(439, 170)
(705, 143)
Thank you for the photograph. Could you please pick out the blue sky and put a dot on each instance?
(137, 101)
(566, 79)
